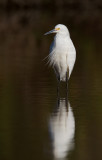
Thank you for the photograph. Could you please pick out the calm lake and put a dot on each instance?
(35, 124)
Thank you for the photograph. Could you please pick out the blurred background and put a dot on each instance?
(31, 114)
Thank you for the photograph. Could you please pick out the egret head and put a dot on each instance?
(59, 29)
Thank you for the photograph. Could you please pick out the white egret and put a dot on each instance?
(62, 53)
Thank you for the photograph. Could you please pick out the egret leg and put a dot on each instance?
(58, 102)
(67, 82)
(66, 101)
(58, 87)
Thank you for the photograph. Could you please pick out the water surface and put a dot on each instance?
(34, 122)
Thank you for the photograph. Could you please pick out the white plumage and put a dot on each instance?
(62, 52)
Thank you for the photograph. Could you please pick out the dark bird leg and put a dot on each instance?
(66, 101)
(58, 102)
(67, 83)
(58, 86)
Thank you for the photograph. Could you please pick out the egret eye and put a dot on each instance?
(57, 29)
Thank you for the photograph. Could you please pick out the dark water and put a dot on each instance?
(34, 123)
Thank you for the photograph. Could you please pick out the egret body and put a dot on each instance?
(62, 53)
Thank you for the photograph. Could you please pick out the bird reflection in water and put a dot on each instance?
(62, 129)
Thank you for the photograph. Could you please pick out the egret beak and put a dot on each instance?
(52, 31)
